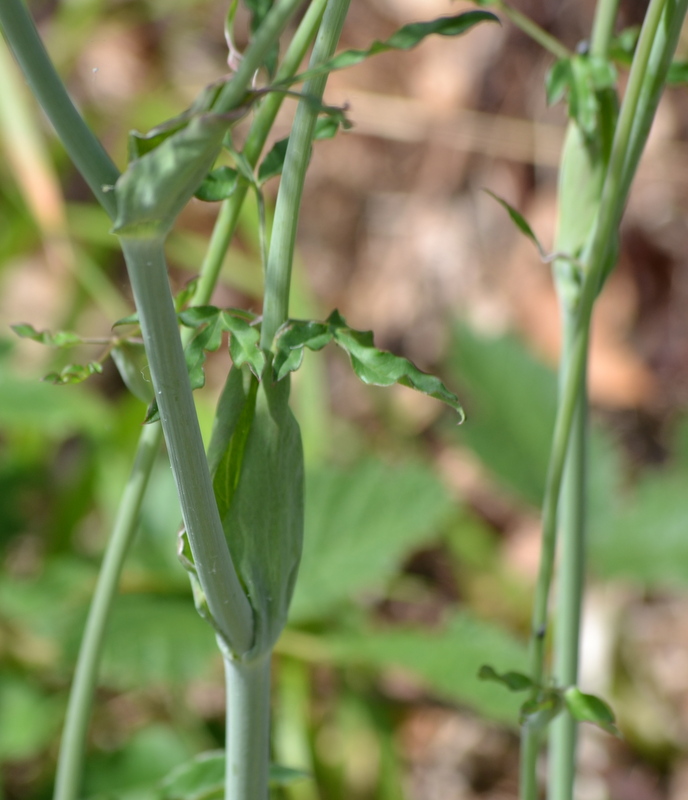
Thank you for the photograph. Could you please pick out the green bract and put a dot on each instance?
(256, 462)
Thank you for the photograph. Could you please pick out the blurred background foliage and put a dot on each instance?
(422, 537)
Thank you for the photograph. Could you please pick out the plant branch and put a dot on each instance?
(537, 34)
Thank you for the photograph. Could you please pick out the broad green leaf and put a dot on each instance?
(155, 187)
(256, 461)
(59, 339)
(272, 164)
(132, 365)
(589, 708)
(361, 522)
(514, 681)
(447, 660)
(404, 39)
(372, 366)
(219, 184)
(202, 778)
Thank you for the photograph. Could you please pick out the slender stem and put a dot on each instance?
(280, 258)
(248, 728)
(83, 147)
(252, 60)
(532, 29)
(70, 760)
(603, 27)
(227, 601)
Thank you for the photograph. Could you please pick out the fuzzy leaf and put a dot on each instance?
(372, 366)
(514, 681)
(589, 708)
(404, 39)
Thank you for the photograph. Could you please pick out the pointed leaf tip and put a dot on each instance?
(590, 708)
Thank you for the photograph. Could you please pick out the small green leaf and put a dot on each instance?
(372, 366)
(244, 342)
(589, 708)
(540, 712)
(74, 373)
(558, 80)
(520, 222)
(132, 319)
(404, 39)
(185, 296)
(60, 339)
(219, 184)
(514, 681)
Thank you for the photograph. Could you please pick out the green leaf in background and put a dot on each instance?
(203, 778)
(272, 164)
(589, 708)
(218, 184)
(132, 365)
(361, 522)
(405, 38)
(372, 366)
(59, 339)
(447, 660)
(557, 80)
(512, 404)
(678, 73)
(30, 718)
(514, 681)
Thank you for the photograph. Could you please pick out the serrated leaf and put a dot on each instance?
(538, 713)
(60, 339)
(218, 184)
(291, 340)
(404, 39)
(272, 164)
(589, 708)
(74, 373)
(244, 343)
(514, 681)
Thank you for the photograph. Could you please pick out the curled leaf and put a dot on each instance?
(74, 373)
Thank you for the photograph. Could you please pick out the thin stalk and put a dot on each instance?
(83, 147)
(603, 27)
(596, 257)
(281, 255)
(72, 744)
(248, 728)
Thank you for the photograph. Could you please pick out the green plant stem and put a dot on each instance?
(227, 602)
(72, 745)
(596, 257)
(83, 147)
(281, 255)
(248, 728)
(603, 27)
(532, 29)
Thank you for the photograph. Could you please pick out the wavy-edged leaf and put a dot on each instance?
(74, 373)
(372, 366)
(404, 39)
(244, 343)
(60, 339)
(589, 708)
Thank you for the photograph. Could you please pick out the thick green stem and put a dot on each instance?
(216, 572)
(603, 27)
(280, 258)
(248, 729)
(83, 147)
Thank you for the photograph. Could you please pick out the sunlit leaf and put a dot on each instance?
(589, 708)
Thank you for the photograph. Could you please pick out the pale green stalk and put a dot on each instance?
(596, 260)
(563, 733)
